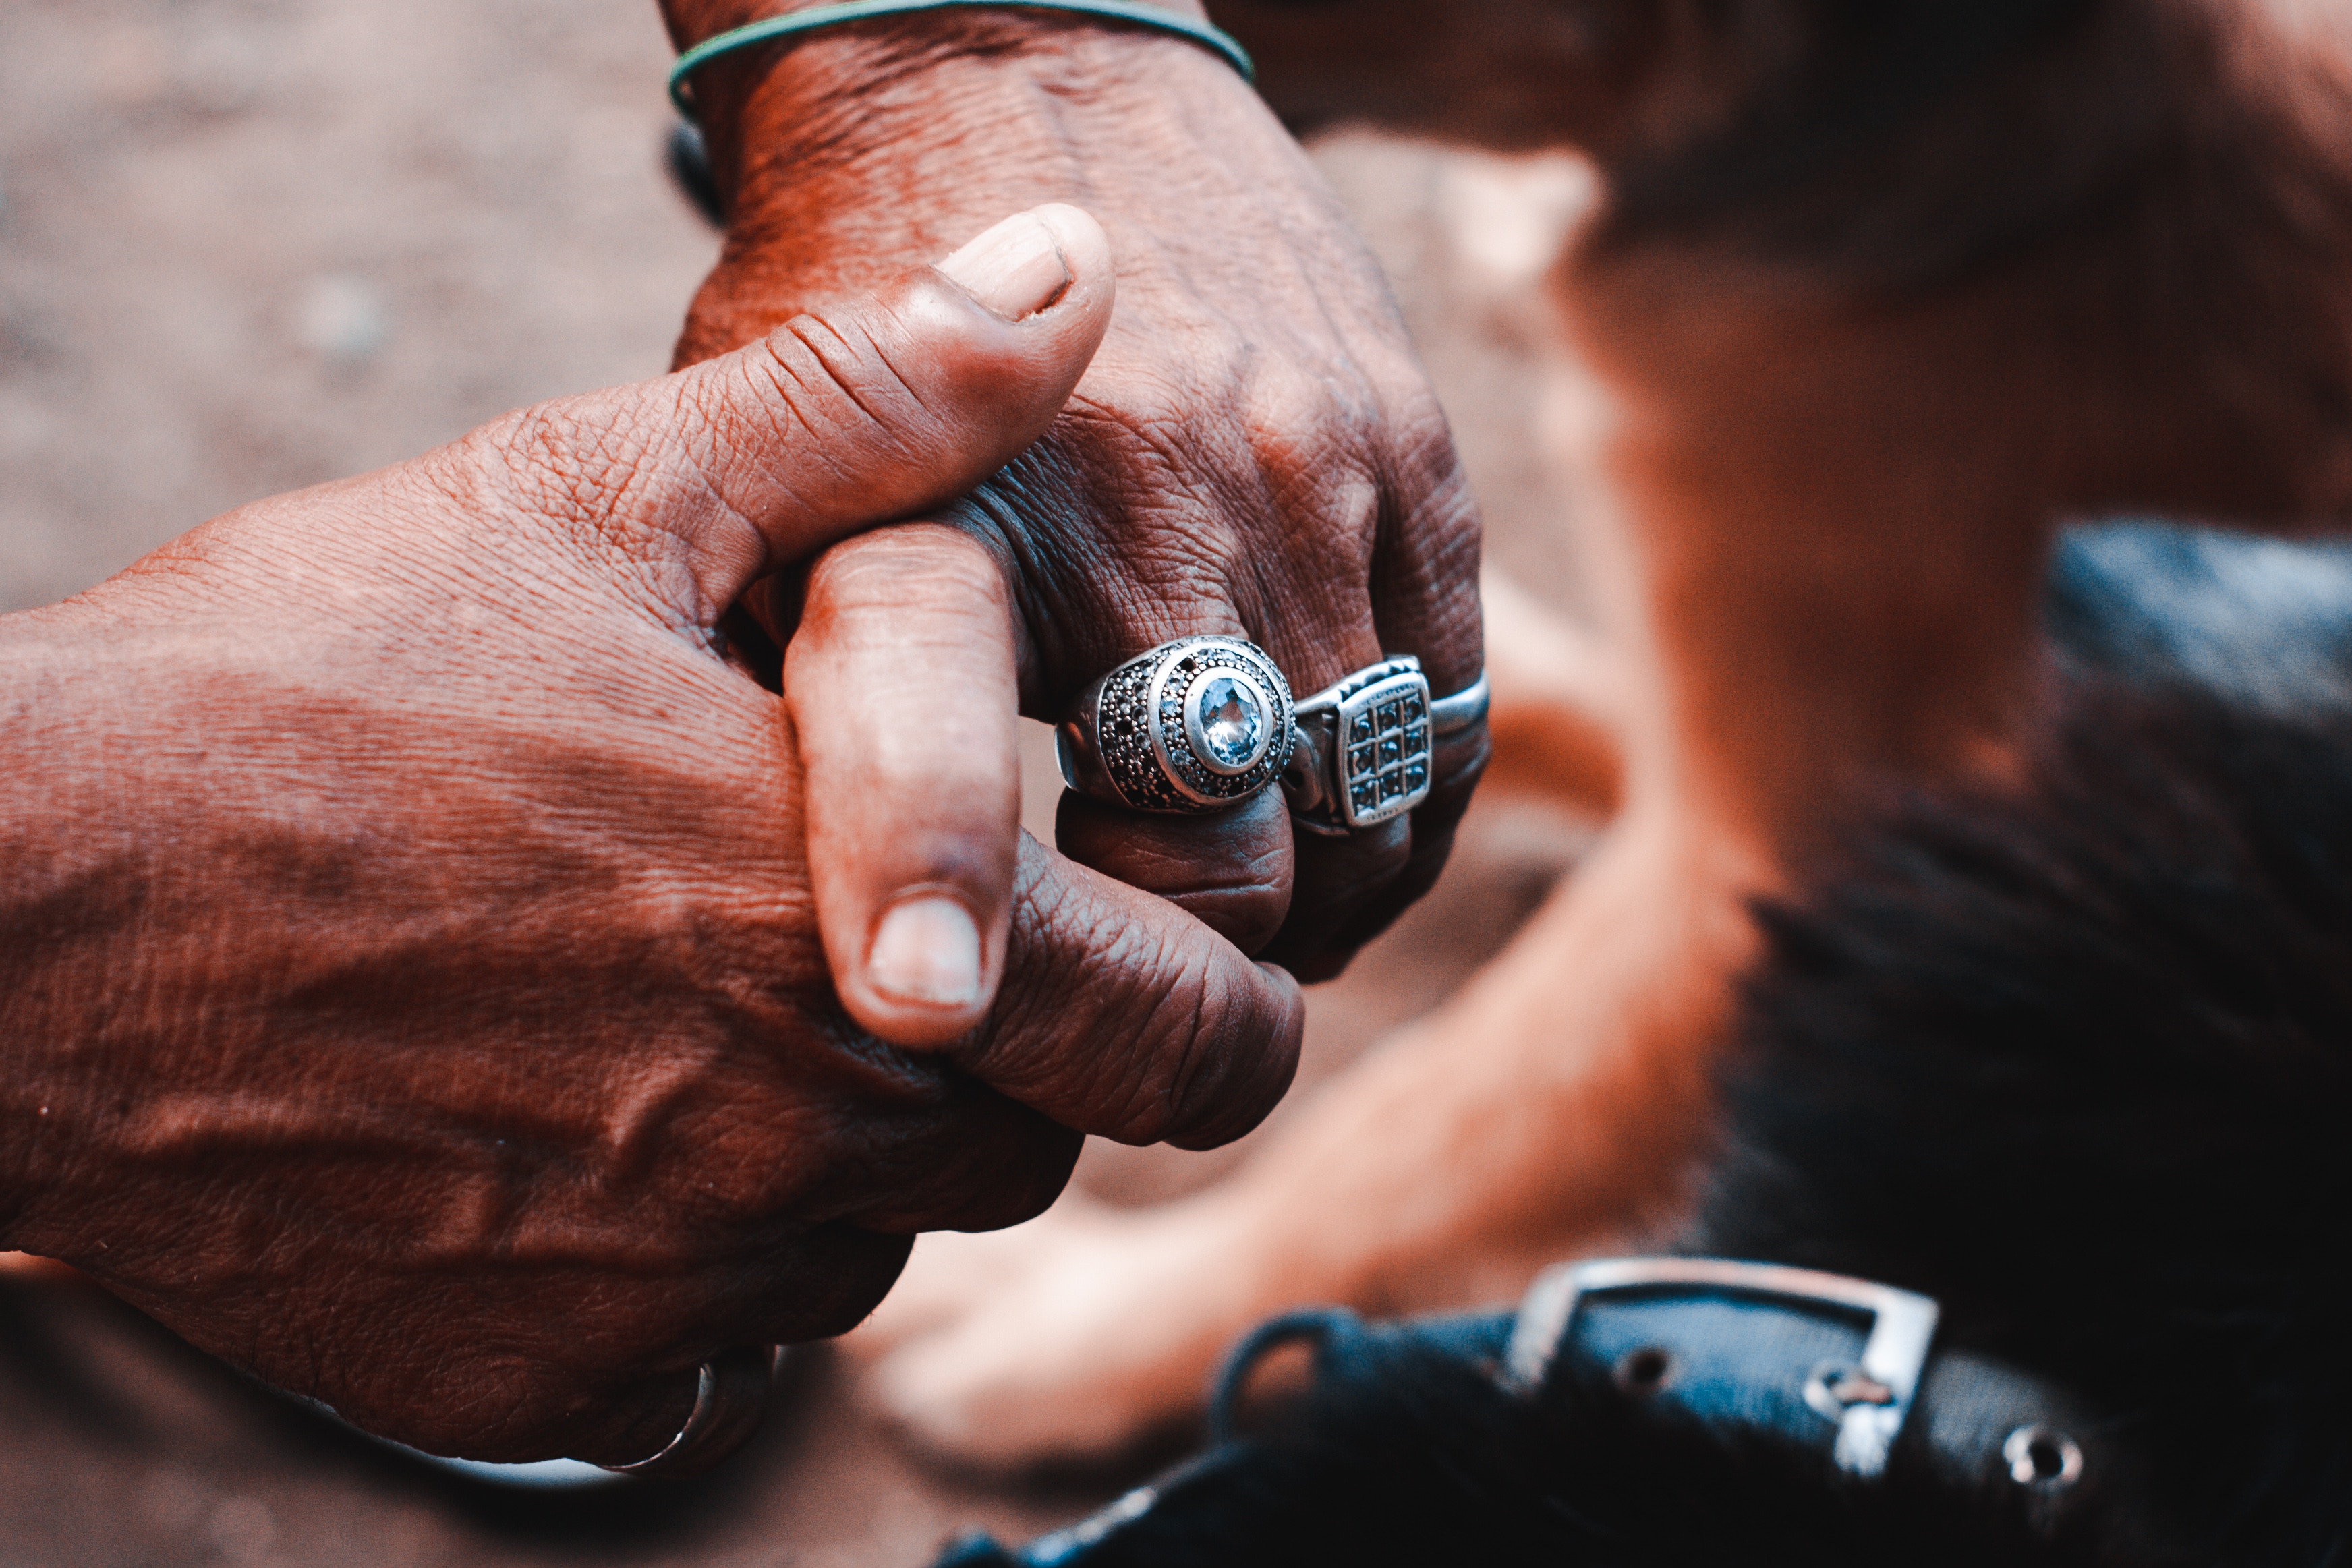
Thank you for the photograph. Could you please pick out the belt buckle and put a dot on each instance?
(1902, 1326)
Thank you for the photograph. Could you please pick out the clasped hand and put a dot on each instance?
(413, 991)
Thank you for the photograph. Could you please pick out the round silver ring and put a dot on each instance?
(1452, 715)
(1196, 725)
(730, 1396)
(1366, 745)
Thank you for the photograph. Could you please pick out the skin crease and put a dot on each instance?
(411, 990)
(1254, 451)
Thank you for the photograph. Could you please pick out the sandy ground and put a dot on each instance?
(249, 244)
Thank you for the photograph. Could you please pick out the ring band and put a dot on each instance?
(730, 1396)
(1452, 715)
(1196, 725)
(1366, 744)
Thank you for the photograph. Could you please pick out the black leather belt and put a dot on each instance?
(1842, 1367)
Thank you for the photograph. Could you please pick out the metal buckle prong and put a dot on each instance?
(1902, 1327)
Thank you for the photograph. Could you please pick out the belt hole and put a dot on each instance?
(2039, 1457)
(1644, 1371)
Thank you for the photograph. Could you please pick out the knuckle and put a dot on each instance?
(1180, 1078)
(872, 571)
(1195, 1074)
(1254, 1053)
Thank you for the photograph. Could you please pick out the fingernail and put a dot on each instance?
(927, 950)
(1015, 268)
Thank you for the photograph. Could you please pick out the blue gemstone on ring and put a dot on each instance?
(1233, 722)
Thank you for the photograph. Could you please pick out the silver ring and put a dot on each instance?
(1196, 725)
(730, 1396)
(1364, 753)
(1452, 715)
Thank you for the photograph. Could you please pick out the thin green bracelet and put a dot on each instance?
(784, 26)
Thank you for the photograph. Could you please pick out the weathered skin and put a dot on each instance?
(1255, 450)
(410, 988)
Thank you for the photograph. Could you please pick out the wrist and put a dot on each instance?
(987, 81)
(691, 22)
(855, 152)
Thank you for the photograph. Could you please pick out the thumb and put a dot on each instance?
(859, 412)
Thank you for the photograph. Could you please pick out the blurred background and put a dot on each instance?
(252, 245)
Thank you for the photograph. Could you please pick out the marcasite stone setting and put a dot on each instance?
(1193, 726)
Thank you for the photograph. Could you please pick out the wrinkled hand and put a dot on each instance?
(410, 989)
(1254, 451)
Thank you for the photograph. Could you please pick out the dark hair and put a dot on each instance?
(2075, 1057)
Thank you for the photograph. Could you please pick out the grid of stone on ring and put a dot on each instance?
(1385, 749)
(1126, 729)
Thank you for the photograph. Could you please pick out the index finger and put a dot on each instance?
(1122, 1015)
